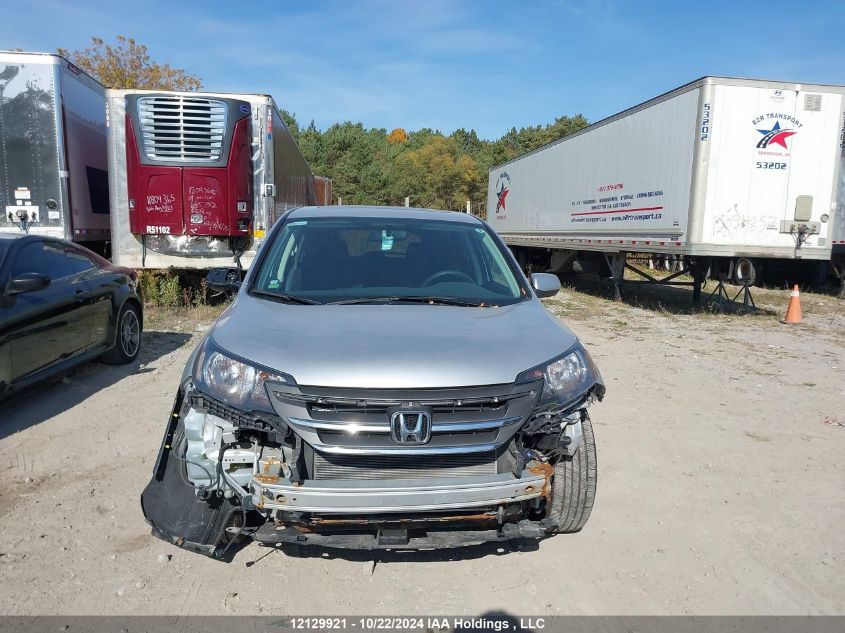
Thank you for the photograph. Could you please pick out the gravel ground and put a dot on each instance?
(721, 489)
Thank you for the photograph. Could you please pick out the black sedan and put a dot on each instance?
(61, 305)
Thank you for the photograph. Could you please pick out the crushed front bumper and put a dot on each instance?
(340, 513)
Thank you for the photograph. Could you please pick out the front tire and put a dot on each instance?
(127, 340)
(574, 485)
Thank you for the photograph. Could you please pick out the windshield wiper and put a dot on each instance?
(277, 296)
(445, 301)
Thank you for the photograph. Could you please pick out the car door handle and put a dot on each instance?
(81, 296)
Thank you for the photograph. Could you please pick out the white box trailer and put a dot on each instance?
(719, 170)
(53, 150)
(180, 150)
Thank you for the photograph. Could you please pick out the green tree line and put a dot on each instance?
(374, 166)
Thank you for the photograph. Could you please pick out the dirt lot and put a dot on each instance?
(721, 487)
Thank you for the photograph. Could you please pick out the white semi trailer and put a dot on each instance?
(731, 174)
(53, 150)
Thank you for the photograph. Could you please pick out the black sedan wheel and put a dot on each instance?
(128, 339)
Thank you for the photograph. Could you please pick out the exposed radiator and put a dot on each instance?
(330, 466)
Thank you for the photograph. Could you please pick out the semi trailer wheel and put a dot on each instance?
(574, 485)
(744, 272)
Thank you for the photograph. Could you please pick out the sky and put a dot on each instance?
(448, 64)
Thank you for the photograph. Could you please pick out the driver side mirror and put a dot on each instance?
(27, 282)
(545, 284)
(224, 279)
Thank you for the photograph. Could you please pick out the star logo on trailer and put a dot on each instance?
(502, 195)
(502, 190)
(775, 136)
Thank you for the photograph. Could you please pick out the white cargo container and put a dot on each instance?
(719, 170)
(182, 136)
(53, 158)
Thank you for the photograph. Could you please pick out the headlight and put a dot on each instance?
(234, 381)
(566, 377)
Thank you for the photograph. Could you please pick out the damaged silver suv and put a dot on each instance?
(384, 378)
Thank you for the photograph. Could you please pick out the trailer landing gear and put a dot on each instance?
(700, 270)
(741, 272)
(618, 264)
(748, 304)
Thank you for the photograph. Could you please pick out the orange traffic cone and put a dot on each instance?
(793, 311)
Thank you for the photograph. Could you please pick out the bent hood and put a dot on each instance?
(392, 346)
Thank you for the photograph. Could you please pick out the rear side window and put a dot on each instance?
(44, 258)
(79, 260)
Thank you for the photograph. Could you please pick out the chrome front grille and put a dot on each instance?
(182, 128)
(354, 421)
(330, 407)
(329, 466)
(345, 437)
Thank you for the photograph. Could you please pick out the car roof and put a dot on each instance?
(11, 236)
(373, 211)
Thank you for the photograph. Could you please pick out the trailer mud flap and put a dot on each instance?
(171, 507)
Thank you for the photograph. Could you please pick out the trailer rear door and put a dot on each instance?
(29, 157)
(160, 203)
(815, 154)
(189, 168)
(772, 152)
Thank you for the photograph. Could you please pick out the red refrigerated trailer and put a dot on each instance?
(196, 179)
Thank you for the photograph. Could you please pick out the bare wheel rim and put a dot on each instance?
(130, 333)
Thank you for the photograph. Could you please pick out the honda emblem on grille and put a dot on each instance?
(410, 427)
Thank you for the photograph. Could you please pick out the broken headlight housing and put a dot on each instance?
(233, 380)
(566, 378)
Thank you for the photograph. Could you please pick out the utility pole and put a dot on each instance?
(407, 201)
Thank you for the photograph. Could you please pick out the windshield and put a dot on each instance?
(379, 260)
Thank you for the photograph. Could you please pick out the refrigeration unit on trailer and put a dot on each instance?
(53, 150)
(198, 178)
(732, 174)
